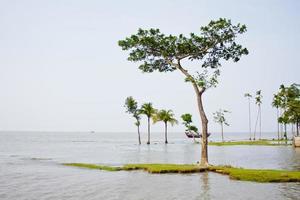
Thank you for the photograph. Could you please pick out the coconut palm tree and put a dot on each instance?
(249, 96)
(148, 110)
(276, 103)
(132, 108)
(258, 102)
(219, 117)
(165, 116)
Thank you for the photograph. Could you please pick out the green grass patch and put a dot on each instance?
(256, 175)
(93, 166)
(164, 168)
(251, 142)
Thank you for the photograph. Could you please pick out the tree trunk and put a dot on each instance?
(285, 133)
(249, 118)
(298, 124)
(222, 132)
(204, 121)
(278, 123)
(148, 130)
(254, 133)
(166, 133)
(281, 126)
(259, 122)
(138, 127)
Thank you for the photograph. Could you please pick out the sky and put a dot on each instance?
(62, 70)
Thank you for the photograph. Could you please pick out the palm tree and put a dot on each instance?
(249, 96)
(219, 117)
(132, 108)
(148, 110)
(276, 103)
(165, 116)
(258, 101)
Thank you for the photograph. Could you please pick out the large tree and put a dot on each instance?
(167, 53)
(131, 106)
(166, 116)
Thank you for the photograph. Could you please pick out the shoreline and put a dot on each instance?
(254, 175)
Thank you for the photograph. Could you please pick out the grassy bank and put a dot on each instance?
(256, 175)
(252, 142)
(93, 166)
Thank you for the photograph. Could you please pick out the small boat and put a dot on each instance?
(190, 134)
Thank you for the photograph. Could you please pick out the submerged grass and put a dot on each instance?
(252, 142)
(256, 175)
(93, 166)
(165, 168)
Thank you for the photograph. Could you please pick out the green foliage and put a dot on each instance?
(148, 110)
(247, 95)
(187, 122)
(131, 106)
(163, 53)
(258, 97)
(276, 101)
(219, 117)
(165, 116)
(288, 99)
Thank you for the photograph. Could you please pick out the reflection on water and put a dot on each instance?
(30, 168)
(205, 186)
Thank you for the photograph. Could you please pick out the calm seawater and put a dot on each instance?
(30, 167)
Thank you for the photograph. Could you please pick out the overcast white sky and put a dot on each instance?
(62, 70)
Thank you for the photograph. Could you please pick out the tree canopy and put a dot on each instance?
(163, 53)
(219, 117)
(165, 116)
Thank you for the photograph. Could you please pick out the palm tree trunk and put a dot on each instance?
(259, 122)
(148, 130)
(222, 132)
(204, 121)
(297, 126)
(281, 127)
(249, 117)
(285, 133)
(138, 128)
(166, 133)
(254, 134)
(278, 123)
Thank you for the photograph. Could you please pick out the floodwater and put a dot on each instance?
(30, 167)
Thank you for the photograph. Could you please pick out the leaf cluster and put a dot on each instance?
(219, 117)
(160, 52)
(288, 99)
(187, 122)
(165, 116)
